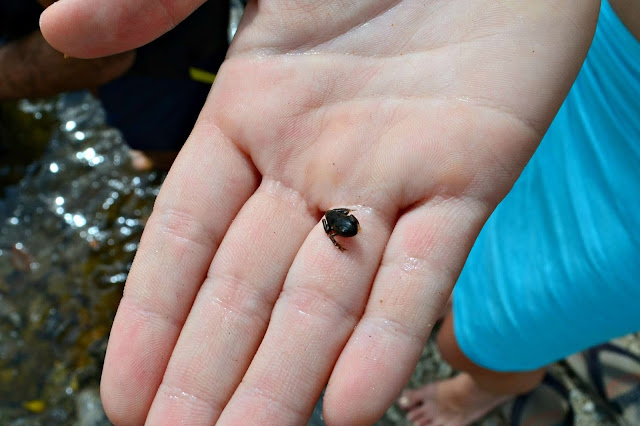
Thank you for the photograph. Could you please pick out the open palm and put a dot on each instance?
(419, 115)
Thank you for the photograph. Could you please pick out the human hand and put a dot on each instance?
(238, 309)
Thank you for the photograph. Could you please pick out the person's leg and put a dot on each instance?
(469, 395)
(504, 383)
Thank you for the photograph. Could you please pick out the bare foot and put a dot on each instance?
(455, 401)
(140, 161)
(149, 160)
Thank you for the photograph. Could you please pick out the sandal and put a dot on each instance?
(542, 406)
(614, 373)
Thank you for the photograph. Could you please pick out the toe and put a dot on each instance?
(415, 416)
(409, 399)
(421, 415)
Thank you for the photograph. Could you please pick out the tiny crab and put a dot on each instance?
(338, 222)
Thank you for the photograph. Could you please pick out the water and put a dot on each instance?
(71, 214)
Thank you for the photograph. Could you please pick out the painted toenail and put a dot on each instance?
(403, 402)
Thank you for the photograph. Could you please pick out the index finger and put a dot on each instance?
(95, 28)
(206, 187)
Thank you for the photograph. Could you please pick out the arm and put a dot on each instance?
(29, 67)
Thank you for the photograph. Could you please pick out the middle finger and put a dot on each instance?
(323, 297)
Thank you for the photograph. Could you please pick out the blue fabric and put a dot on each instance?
(556, 269)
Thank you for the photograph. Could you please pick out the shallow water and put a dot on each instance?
(71, 215)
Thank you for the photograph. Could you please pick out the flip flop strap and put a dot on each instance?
(520, 402)
(594, 367)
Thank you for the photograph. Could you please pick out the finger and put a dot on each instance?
(93, 28)
(232, 309)
(322, 299)
(204, 191)
(421, 263)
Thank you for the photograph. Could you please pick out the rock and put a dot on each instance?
(89, 409)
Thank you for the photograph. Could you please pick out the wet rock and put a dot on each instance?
(89, 409)
(21, 259)
(8, 312)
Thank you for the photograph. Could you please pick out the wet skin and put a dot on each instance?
(339, 222)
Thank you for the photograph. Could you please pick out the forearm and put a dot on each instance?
(31, 68)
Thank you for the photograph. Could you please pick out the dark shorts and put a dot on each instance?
(156, 104)
(153, 114)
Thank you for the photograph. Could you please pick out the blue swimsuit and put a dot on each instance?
(556, 269)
